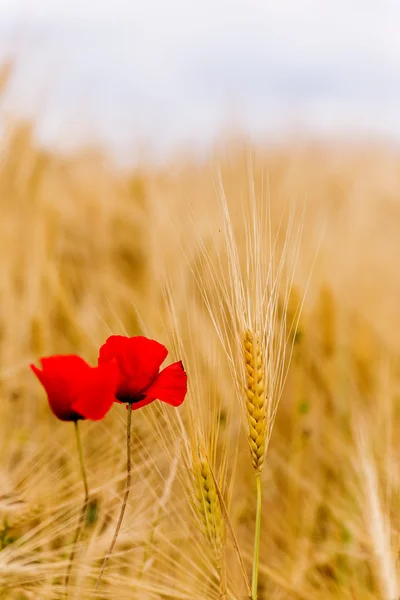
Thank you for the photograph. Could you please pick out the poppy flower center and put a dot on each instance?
(131, 399)
(138, 396)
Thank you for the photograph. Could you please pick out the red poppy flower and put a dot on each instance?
(139, 360)
(75, 389)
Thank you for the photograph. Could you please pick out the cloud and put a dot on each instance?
(177, 68)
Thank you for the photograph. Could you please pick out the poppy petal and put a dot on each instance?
(170, 386)
(139, 360)
(97, 393)
(59, 377)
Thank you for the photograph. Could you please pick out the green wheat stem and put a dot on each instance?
(83, 509)
(257, 536)
(126, 496)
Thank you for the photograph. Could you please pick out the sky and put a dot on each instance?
(169, 73)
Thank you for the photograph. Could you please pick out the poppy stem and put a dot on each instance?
(84, 506)
(127, 490)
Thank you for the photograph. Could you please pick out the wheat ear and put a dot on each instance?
(255, 399)
(210, 513)
(208, 502)
(257, 419)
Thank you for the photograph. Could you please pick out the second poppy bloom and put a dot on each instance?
(140, 380)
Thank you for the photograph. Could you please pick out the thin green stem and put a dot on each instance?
(126, 495)
(257, 535)
(83, 509)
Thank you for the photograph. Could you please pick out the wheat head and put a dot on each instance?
(255, 399)
(208, 505)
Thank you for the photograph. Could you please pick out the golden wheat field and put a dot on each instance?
(273, 274)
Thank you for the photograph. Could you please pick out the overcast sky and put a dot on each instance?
(175, 71)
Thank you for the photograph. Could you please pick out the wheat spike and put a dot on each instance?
(256, 402)
(208, 504)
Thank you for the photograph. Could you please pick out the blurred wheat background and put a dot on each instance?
(89, 249)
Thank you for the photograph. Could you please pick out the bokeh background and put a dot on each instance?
(123, 126)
